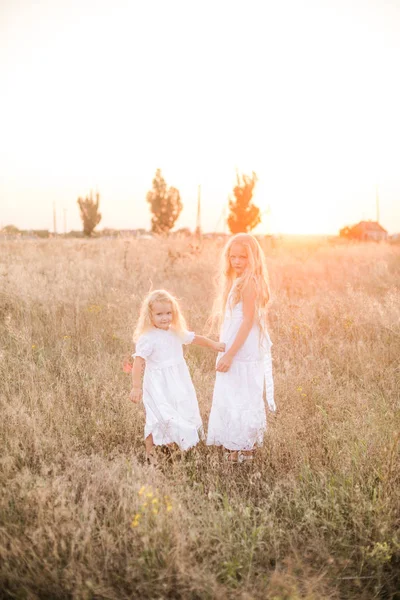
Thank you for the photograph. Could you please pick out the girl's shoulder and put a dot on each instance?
(144, 346)
(252, 283)
(147, 335)
(256, 285)
(249, 287)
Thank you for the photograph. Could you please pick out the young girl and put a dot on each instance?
(172, 412)
(237, 418)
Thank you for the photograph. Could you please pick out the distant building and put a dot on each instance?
(365, 231)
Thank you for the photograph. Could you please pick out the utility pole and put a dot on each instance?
(198, 218)
(224, 218)
(65, 221)
(54, 219)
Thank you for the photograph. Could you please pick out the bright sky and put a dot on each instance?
(96, 94)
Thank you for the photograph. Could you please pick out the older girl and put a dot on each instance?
(237, 419)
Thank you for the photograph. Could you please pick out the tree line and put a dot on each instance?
(166, 206)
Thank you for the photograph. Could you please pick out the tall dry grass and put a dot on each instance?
(315, 516)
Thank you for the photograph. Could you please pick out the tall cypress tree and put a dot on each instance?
(244, 215)
(165, 204)
(90, 215)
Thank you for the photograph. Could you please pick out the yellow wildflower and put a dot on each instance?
(135, 521)
(95, 308)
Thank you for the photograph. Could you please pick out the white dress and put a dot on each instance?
(237, 418)
(169, 398)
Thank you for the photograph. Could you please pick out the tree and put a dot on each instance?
(10, 230)
(165, 204)
(244, 215)
(345, 232)
(90, 215)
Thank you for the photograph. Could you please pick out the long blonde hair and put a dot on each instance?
(256, 270)
(145, 321)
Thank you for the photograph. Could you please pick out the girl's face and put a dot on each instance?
(161, 313)
(238, 258)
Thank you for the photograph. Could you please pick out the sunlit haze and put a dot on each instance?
(98, 94)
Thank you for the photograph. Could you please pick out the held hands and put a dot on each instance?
(219, 346)
(136, 395)
(224, 363)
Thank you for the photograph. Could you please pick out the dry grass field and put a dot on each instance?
(316, 516)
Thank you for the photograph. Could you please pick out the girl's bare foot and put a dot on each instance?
(245, 455)
(239, 456)
(232, 456)
(151, 459)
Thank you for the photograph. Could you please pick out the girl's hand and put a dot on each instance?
(224, 363)
(219, 346)
(135, 395)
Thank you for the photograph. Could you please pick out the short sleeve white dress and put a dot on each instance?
(238, 418)
(169, 398)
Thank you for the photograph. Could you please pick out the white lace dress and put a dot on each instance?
(238, 419)
(169, 398)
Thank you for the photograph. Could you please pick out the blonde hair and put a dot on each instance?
(256, 271)
(145, 321)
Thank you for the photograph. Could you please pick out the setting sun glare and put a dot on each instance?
(98, 95)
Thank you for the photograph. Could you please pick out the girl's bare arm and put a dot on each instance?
(249, 307)
(200, 340)
(137, 378)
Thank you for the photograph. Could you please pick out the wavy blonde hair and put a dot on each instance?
(256, 271)
(145, 321)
